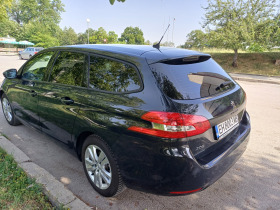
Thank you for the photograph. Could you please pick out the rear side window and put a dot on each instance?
(113, 76)
(69, 69)
(191, 81)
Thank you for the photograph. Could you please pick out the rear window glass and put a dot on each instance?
(192, 81)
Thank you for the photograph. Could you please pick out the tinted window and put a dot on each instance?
(113, 76)
(36, 68)
(69, 69)
(192, 81)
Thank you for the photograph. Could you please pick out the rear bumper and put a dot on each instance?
(162, 174)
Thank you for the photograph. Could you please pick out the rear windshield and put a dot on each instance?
(192, 81)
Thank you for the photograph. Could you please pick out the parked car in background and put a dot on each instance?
(167, 121)
(29, 52)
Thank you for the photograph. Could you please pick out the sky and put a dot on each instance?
(151, 16)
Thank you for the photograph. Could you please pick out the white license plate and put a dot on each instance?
(226, 127)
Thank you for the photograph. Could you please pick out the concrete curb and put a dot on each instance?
(55, 190)
(248, 79)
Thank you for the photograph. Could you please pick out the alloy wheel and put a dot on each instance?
(98, 167)
(7, 109)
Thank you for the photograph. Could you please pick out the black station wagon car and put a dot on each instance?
(166, 121)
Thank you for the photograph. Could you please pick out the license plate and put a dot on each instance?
(226, 127)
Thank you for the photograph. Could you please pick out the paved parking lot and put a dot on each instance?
(253, 183)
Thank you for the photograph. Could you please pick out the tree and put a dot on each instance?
(44, 40)
(168, 44)
(4, 5)
(235, 24)
(33, 20)
(132, 36)
(148, 42)
(113, 1)
(196, 39)
(10, 28)
(83, 37)
(112, 37)
(275, 38)
(68, 36)
(43, 11)
(99, 37)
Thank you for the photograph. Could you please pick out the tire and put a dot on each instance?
(105, 178)
(30, 56)
(20, 57)
(8, 111)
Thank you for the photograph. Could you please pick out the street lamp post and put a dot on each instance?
(88, 20)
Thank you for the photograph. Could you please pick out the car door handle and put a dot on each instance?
(66, 100)
(33, 93)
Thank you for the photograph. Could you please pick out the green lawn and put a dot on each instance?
(17, 191)
(250, 63)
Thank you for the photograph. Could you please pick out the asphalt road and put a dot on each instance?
(253, 183)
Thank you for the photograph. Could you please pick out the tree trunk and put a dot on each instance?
(234, 63)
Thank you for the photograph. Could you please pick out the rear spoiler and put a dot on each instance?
(186, 60)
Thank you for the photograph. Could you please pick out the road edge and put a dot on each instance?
(57, 193)
(248, 79)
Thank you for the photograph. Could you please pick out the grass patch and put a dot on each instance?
(250, 63)
(2, 134)
(17, 191)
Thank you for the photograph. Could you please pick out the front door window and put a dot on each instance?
(36, 69)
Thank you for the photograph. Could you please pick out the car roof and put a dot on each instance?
(149, 52)
(35, 47)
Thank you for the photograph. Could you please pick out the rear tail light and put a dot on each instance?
(173, 125)
(35, 53)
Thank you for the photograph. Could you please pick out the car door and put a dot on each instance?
(31, 53)
(59, 100)
(24, 94)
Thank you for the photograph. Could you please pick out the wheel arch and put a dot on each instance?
(80, 140)
(1, 93)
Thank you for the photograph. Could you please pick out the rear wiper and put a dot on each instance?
(223, 85)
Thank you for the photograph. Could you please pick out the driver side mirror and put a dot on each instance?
(10, 74)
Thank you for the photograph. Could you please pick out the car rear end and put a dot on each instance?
(208, 130)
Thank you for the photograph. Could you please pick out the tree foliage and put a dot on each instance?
(44, 40)
(4, 5)
(33, 20)
(167, 44)
(113, 1)
(196, 39)
(68, 36)
(132, 36)
(83, 37)
(102, 37)
(99, 37)
(43, 11)
(112, 37)
(235, 24)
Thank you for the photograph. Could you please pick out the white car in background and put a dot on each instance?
(29, 52)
